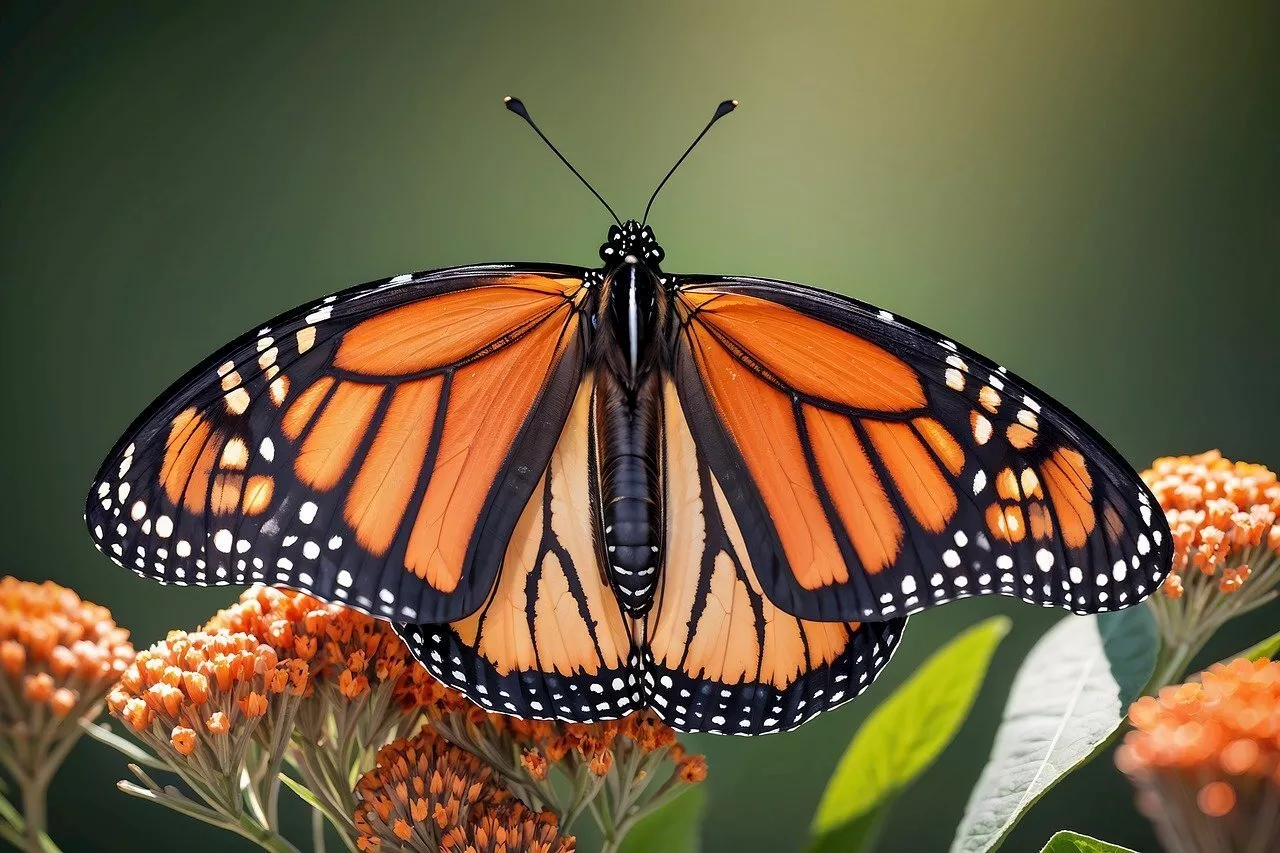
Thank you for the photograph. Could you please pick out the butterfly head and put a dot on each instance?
(631, 243)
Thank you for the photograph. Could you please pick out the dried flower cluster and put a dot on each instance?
(426, 795)
(1226, 539)
(1205, 757)
(60, 655)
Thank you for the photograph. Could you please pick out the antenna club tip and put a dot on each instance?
(725, 108)
(515, 105)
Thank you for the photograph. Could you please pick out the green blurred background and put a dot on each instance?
(1088, 192)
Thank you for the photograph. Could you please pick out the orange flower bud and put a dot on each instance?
(254, 705)
(13, 657)
(183, 740)
(63, 701)
(197, 687)
(38, 687)
(137, 714)
(601, 762)
(535, 764)
(692, 770)
(217, 723)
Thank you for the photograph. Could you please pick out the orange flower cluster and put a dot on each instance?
(428, 795)
(1205, 757)
(57, 651)
(623, 769)
(545, 744)
(1222, 514)
(343, 647)
(59, 656)
(191, 690)
(508, 828)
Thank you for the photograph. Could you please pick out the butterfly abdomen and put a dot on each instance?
(628, 439)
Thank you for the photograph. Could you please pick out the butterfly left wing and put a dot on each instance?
(551, 641)
(719, 656)
(877, 468)
(373, 449)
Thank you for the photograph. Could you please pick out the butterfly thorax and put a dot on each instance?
(627, 357)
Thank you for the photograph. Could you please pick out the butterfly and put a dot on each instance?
(583, 492)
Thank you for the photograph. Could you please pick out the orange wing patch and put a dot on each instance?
(763, 425)
(810, 356)
(561, 640)
(380, 495)
(874, 528)
(733, 633)
(332, 441)
(927, 492)
(452, 327)
(184, 474)
(489, 403)
(304, 407)
(1071, 489)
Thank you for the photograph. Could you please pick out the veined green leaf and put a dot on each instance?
(673, 828)
(1068, 699)
(903, 736)
(1073, 842)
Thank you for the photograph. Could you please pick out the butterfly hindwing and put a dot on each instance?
(879, 468)
(375, 448)
(551, 641)
(721, 657)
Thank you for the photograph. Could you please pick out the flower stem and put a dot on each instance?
(317, 830)
(1172, 663)
(35, 790)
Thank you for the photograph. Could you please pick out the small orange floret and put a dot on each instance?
(253, 705)
(183, 740)
(1216, 799)
(218, 724)
(693, 769)
(63, 701)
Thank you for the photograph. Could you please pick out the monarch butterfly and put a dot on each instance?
(583, 492)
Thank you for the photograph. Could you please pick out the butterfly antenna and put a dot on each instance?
(723, 110)
(517, 106)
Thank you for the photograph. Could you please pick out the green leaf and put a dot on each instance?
(1268, 648)
(1068, 699)
(1073, 842)
(672, 828)
(303, 792)
(902, 736)
(102, 733)
(860, 833)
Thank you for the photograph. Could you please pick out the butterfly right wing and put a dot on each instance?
(721, 657)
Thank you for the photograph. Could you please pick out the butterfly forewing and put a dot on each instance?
(880, 468)
(375, 449)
